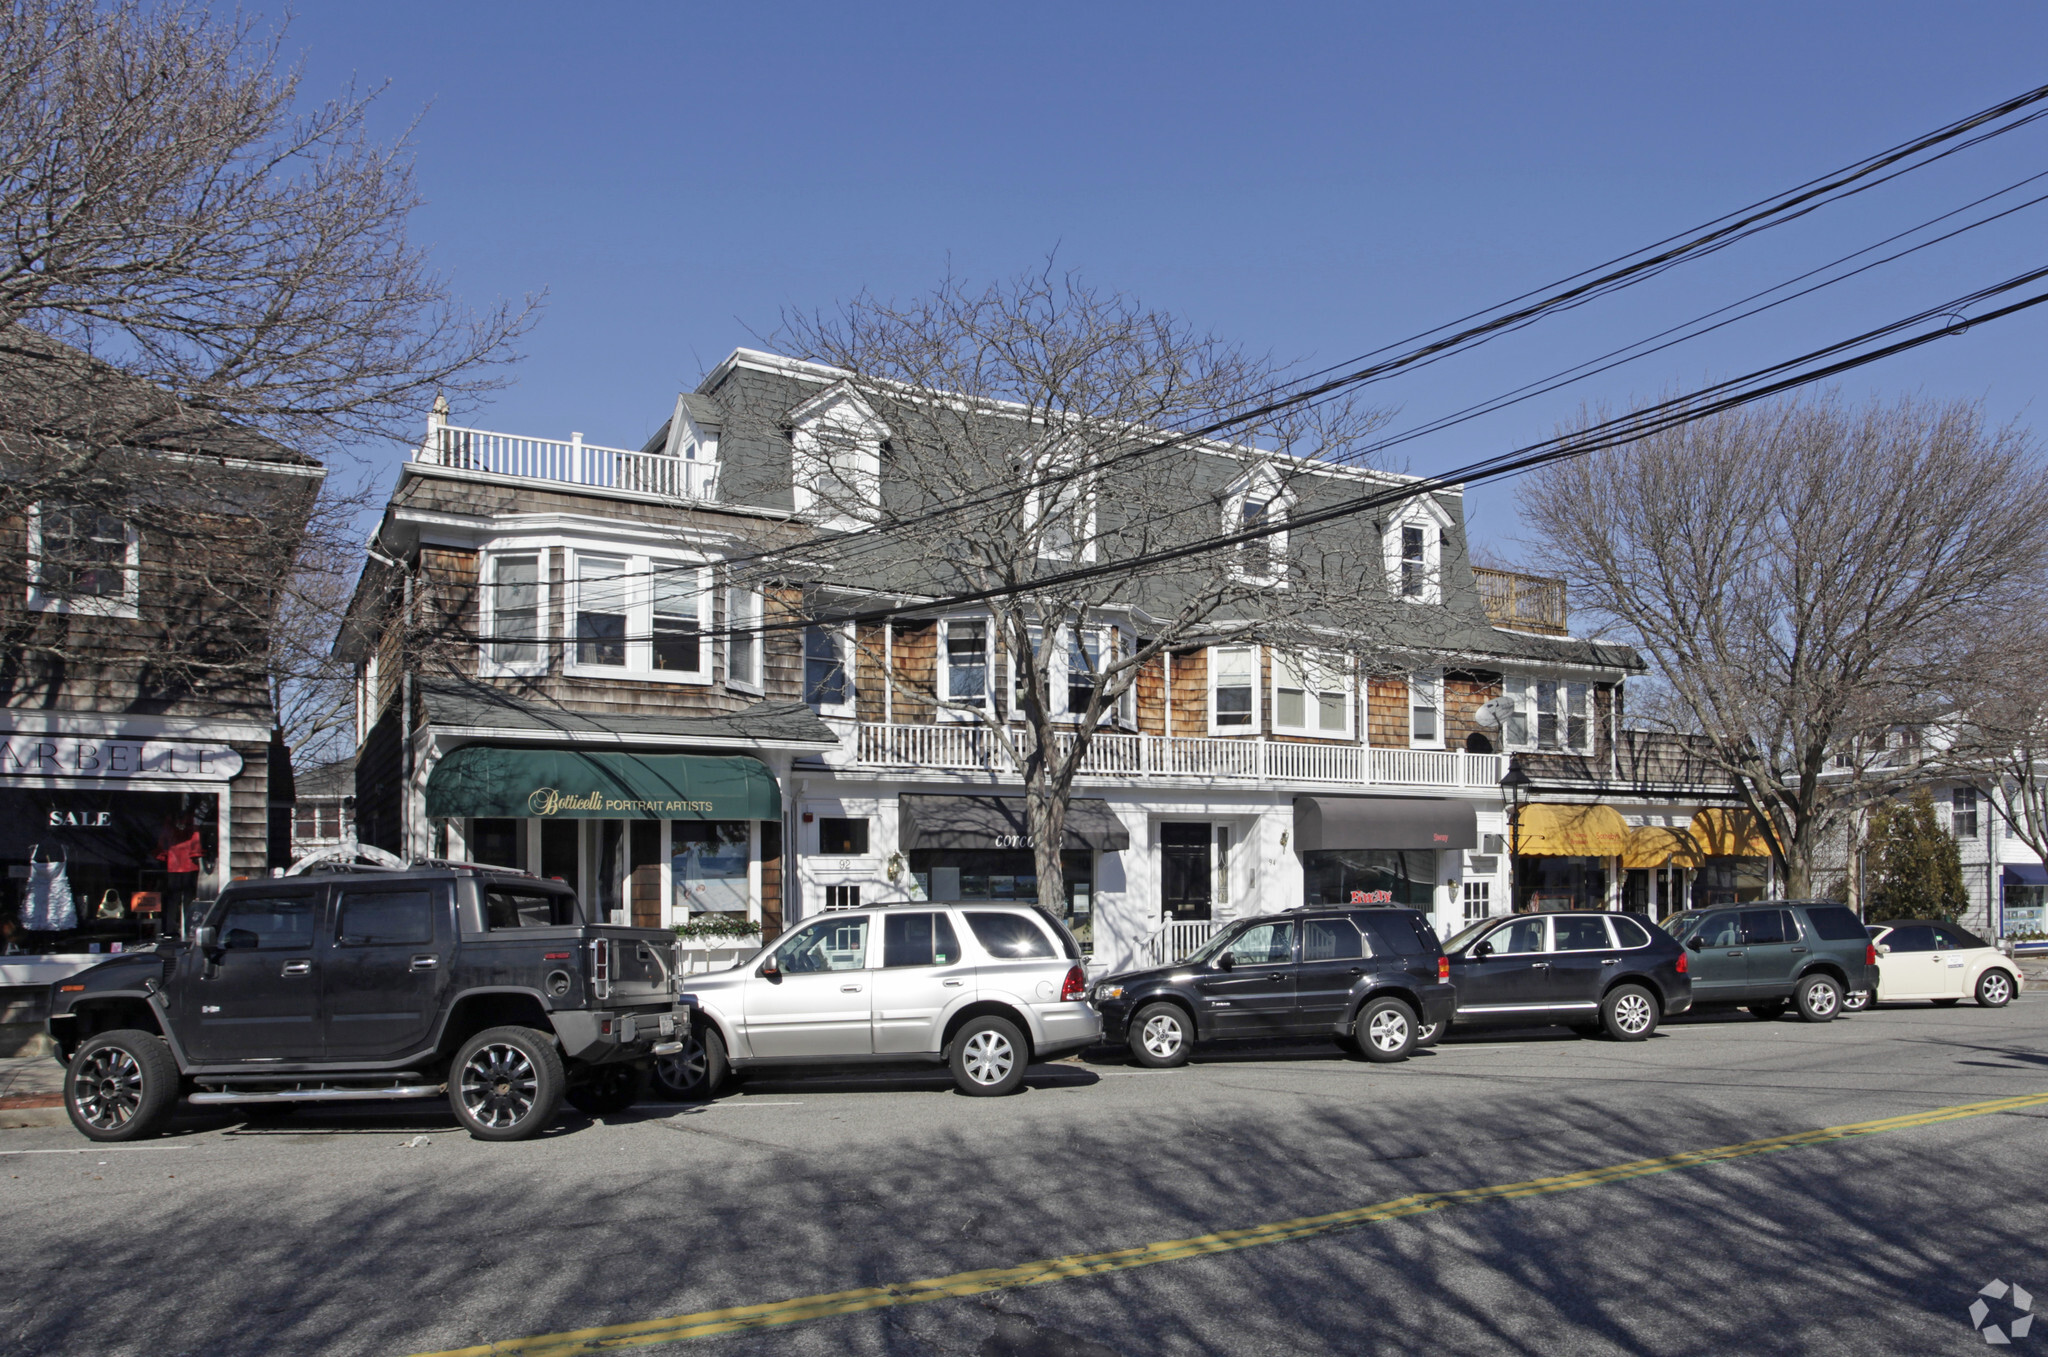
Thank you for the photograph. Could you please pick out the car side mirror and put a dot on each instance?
(1695, 944)
(1884, 949)
(1225, 962)
(770, 969)
(206, 938)
(1482, 951)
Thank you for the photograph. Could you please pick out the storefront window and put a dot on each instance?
(90, 869)
(1730, 881)
(1560, 883)
(1368, 876)
(708, 866)
(2025, 908)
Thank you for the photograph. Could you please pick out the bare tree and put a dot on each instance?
(1996, 740)
(1812, 583)
(1009, 439)
(202, 285)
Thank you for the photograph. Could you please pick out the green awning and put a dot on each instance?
(570, 784)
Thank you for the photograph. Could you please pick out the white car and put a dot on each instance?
(984, 988)
(1928, 959)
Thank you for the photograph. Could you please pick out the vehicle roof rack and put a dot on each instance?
(453, 864)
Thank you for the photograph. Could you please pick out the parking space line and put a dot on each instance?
(776, 1314)
(99, 1149)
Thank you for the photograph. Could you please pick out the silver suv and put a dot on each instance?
(985, 988)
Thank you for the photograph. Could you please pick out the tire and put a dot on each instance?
(506, 1083)
(1856, 1001)
(1770, 1010)
(1429, 1034)
(1994, 989)
(1162, 1036)
(988, 1057)
(609, 1089)
(699, 1070)
(121, 1085)
(1385, 1030)
(1820, 998)
(1946, 1003)
(1629, 1013)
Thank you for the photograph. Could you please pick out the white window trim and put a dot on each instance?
(854, 422)
(1111, 640)
(639, 591)
(127, 604)
(753, 642)
(1435, 524)
(1034, 509)
(1521, 690)
(943, 673)
(1309, 705)
(1431, 683)
(488, 664)
(1272, 550)
(1255, 727)
(847, 656)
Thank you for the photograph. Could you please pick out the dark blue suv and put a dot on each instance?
(1372, 979)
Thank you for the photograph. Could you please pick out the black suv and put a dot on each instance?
(1772, 953)
(360, 985)
(1592, 972)
(1370, 978)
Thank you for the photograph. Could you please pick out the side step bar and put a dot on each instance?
(319, 1095)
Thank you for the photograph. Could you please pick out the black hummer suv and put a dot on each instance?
(353, 985)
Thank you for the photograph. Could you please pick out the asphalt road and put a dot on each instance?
(391, 1233)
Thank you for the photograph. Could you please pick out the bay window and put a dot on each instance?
(639, 618)
(601, 611)
(1233, 690)
(678, 621)
(1549, 714)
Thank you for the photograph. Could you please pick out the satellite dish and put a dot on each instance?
(1493, 712)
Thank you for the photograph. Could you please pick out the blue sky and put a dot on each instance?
(1311, 181)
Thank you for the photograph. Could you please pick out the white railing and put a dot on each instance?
(1177, 938)
(573, 462)
(974, 748)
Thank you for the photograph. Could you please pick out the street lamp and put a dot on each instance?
(1514, 785)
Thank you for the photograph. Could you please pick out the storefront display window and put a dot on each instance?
(89, 869)
(1368, 876)
(1546, 882)
(708, 863)
(1731, 881)
(2025, 908)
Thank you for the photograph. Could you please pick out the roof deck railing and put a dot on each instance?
(567, 462)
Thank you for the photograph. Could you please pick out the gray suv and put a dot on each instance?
(982, 987)
(1769, 954)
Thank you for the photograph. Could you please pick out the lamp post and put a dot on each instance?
(1514, 785)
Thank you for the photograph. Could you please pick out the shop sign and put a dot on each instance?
(81, 819)
(1372, 897)
(85, 756)
(545, 801)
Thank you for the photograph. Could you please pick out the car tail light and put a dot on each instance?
(601, 968)
(1076, 986)
(1870, 954)
(1681, 963)
(1443, 968)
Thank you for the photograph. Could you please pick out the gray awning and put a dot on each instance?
(1001, 822)
(1359, 822)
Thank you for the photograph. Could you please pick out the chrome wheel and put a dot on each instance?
(499, 1085)
(106, 1088)
(1633, 1014)
(1994, 990)
(989, 1057)
(1163, 1037)
(684, 1071)
(1855, 1001)
(1388, 1030)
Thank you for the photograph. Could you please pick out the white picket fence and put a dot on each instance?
(570, 462)
(974, 748)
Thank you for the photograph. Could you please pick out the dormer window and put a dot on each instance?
(1062, 513)
(1414, 561)
(835, 443)
(1414, 546)
(1257, 504)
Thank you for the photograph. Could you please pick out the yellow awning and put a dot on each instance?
(1729, 834)
(1656, 846)
(1570, 831)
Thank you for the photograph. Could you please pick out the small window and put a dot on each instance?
(1233, 693)
(528, 909)
(825, 683)
(918, 940)
(515, 610)
(967, 663)
(1630, 933)
(1962, 812)
(743, 641)
(268, 923)
(1414, 560)
(842, 897)
(841, 837)
(82, 560)
(1330, 940)
(1425, 709)
(1009, 935)
(1835, 923)
(372, 917)
(1579, 933)
(678, 620)
(601, 610)
(1478, 897)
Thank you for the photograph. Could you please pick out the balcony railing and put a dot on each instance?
(1523, 602)
(974, 749)
(574, 462)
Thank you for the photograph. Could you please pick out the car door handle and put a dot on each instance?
(1798, 949)
(951, 984)
(1276, 977)
(1357, 970)
(425, 961)
(1610, 961)
(297, 968)
(1539, 965)
(849, 989)
(1735, 953)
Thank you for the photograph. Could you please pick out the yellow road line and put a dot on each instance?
(774, 1314)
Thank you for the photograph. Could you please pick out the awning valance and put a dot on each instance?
(1356, 823)
(1729, 834)
(1559, 831)
(1657, 846)
(970, 822)
(492, 781)
(2024, 874)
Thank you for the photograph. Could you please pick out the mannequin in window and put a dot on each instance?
(1475, 743)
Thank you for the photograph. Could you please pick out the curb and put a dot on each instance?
(22, 1118)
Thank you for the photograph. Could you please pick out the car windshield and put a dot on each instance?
(1466, 934)
(1679, 925)
(1210, 948)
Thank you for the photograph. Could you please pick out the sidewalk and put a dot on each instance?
(31, 1089)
